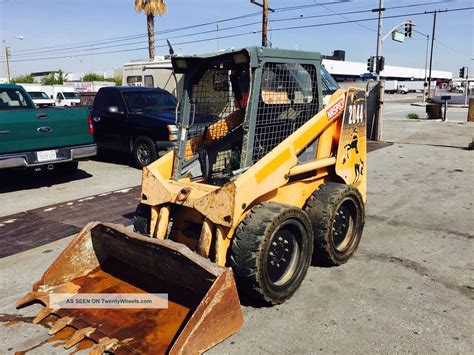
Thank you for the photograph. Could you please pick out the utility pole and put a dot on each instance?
(466, 86)
(425, 81)
(265, 23)
(426, 68)
(265, 8)
(7, 63)
(431, 55)
(379, 110)
(217, 26)
(379, 36)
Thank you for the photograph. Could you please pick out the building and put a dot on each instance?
(352, 71)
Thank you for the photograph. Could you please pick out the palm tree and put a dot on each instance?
(151, 9)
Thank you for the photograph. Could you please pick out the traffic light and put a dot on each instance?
(408, 29)
(461, 72)
(380, 64)
(370, 64)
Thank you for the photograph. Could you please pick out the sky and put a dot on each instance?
(80, 31)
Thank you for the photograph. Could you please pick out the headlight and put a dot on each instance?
(172, 132)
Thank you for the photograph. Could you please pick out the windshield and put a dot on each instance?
(13, 99)
(38, 95)
(138, 101)
(329, 84)
(71, 95)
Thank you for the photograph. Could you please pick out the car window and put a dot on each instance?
(13, 99)
(149, 101)
(329, 85)
(59, 96)
(107, 98)
(38, 95)
(71, 95)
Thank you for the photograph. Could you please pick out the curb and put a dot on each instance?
(421, 104)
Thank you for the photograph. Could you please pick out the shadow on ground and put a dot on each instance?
(119, 158)
(25, 179)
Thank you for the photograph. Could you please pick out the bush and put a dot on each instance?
(55, 78)
(96, 77)
(93, 77)
(23, 79)
(413, 116)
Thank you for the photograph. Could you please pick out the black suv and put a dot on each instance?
(136, 120)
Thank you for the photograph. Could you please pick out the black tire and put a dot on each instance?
(281, 230)
(144, 152)
(68, 168)
(337, 217)
(141, 220)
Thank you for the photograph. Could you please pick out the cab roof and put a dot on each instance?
(254, 56)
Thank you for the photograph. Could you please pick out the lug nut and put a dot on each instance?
(286, 250)
(280, 239)
(285, 242)
(274, 244)
(270, 253)
(278, 265)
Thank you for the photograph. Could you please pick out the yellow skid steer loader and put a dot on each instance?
(263, 180)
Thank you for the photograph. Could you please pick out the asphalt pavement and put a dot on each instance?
(408, 289)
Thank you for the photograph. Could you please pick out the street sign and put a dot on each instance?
(398, 37)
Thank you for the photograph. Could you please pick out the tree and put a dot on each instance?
(57, 78)
(96, 77)
(151, 9)
(23, 79)
(93, 77)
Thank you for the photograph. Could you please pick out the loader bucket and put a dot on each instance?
(203, 304)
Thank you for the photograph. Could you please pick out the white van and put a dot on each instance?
(65, 96)
(41, 99)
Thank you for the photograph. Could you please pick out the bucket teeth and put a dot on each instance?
(43, 313)
(33, 296)
(60, 324)
(105, 344)
(28, 298)
(78, 336)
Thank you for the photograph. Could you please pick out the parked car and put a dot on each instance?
(136, 120)
(67, 98)
(41, 99)
(54, 138)
(64, 95)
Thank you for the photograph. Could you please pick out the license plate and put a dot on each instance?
(46, 155)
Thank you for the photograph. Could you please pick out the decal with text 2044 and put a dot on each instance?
(336, 109)
(356, 112)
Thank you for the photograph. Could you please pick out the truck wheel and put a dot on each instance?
(66, 168)
(141, 220)
(337, 217)
(271, 252)
(144, 152)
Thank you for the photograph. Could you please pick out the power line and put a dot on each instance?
(253, 32)
(370, 19)
(131, 37)
(48, 49)
(90, 47)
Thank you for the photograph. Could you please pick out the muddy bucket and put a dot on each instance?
(203, 306)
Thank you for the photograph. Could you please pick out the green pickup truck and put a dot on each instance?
(42, 138)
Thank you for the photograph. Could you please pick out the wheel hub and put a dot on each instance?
(341, 226)
(143, 154)
(282, 254)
